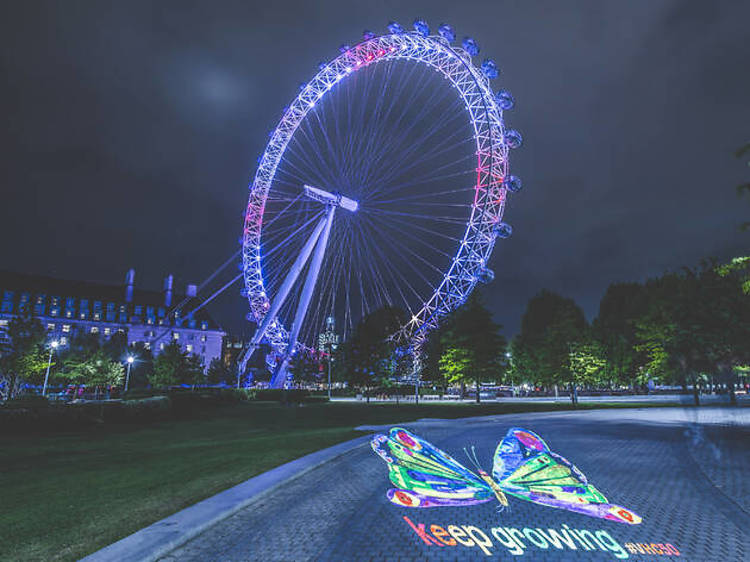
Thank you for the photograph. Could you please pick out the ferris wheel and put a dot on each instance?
(383, 185)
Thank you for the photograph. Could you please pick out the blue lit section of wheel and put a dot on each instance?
(409, 126)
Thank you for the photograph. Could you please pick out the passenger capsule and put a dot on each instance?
(513, 183)
(489, 68)
(421, 27)
(367, 35)
(470, 46)
(513, 138)
(344, 48)
(485, 275)
(395, 28)
(505, 100)
(447, 32)
(503, 230)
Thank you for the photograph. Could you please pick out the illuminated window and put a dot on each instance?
(63, 341)
(107, 331)
(66, 328)
(189, 347)
(175, 335)
(97, 316)
(203, 337)
(94, 329)
(3, 323)
(83, 316)
(161, 346)
(68, 314)
(147, 345)
(50, 327)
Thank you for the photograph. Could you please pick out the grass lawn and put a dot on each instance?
(64, 496)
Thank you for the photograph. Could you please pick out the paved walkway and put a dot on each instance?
(683, 471)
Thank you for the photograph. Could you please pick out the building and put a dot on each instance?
(328, 340)
(67, 308)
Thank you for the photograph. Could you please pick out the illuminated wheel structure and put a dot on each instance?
(406, 125)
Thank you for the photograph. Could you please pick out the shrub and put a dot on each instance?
(28, 401)
(138, 393)
(296, 395)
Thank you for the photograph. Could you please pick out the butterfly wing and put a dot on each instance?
(424, 475)
(525, 467)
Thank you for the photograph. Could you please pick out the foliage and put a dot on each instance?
(96, 369)
(306, 366)
(551, 328)
(219, 373)
(615, 331)
(472, 347)
(174, 366)
(367, 358)
(23, 355)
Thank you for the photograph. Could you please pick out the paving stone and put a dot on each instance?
(686, 474)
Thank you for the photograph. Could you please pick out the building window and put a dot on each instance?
(204, 326)
(107, 331)
(94, 329)
(63, 341)
(189, 348)
(175, 335)
(83, 316)
(3, 323)
(68, 314)
(50, 327)
(97, 316)
(161, 346)
(150, 321)
(66, 328)
(54, 311)
(203, 337)
(147, 345)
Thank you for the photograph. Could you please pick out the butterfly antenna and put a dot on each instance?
(476, 460)
(471, 460)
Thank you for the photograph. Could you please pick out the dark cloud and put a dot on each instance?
(130, 130)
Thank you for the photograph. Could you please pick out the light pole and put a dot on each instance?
(52, 347)
(331, 347)
(127, 376)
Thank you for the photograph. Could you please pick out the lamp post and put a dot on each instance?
(52, 347)
(127, 376)
(331, 347)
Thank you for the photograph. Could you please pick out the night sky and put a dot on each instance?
(130, 131)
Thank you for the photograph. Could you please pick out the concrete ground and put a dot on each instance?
(684, 471)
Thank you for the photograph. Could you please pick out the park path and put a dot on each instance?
(683, 471)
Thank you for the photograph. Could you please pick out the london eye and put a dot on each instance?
(383, 185)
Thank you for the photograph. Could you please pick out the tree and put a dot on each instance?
(550, 327)
(95, 370)
(219, 373)
(697, 322)
(615, 330)
(306, 366)
(367, 358)
(169, 366)
(587, 364)
(23, 355)
(473, 348)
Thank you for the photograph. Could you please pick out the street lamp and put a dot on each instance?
(127, 376)
(52, 346)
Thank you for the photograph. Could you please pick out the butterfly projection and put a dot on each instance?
(523, 467)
